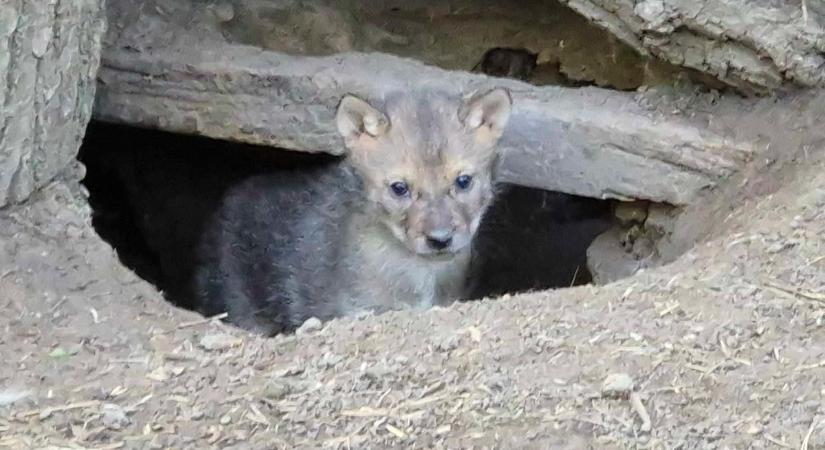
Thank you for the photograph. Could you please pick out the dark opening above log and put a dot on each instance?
(591, 142)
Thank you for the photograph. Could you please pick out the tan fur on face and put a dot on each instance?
(426, 141)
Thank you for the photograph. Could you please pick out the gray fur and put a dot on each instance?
(333, 241)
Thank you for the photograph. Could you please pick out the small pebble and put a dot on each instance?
(754, 429)
(113, 416)
(276, 390)
(224, 11)
(617, 384)
(311, 325)
(219, 341)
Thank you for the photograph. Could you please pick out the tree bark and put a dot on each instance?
(49, 55)
(753, 45)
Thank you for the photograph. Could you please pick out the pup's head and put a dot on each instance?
(426, 161)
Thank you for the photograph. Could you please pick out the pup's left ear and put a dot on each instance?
(355, 118)
(487, 114)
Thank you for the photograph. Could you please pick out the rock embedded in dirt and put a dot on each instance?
(311, 325)
(219, 341)
(277, 389)
(196, 414)
(113, 416)
(608, 260)
(617, 385)
(223, 11)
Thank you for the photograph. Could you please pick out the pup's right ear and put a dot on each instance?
(357, 119)
(487, 114)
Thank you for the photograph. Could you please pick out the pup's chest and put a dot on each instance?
(384, 275)
(415, 284)
(422, 283)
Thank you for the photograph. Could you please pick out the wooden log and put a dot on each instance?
(590, 141)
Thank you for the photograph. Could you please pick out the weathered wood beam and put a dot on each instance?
(590, 142)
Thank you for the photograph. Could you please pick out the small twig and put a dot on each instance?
(179, 357)
(591, 422)
(432, 389)
(112, 446)
(811, 263)
(58, 303)
(423, 401)
(45, 412)
(195, 323)
(639, 407)
(95, 315)
(816, 296)
(382, 397)
(396, 431)
(811, 366)
(669, 309)
(776, 441)
(778, 292)
(807, 439)
(144, 360)
(696, 367)
(575, 274)
(712, 369)
(140, 402)
(805, 12)
(810, 295)
(365, 411)
(674, 389)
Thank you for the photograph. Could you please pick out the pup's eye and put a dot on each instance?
(400, 188)
(463, 182)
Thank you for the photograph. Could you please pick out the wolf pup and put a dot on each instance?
(388, 227)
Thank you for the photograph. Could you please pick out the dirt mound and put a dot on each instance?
(724, 348)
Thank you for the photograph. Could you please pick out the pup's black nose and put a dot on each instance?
(439, 240)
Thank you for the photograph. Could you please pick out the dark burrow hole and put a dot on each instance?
(152, 192)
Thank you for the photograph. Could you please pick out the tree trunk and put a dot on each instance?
(49, 56)
(753, 45)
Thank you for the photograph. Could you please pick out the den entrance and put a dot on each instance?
(152, 193)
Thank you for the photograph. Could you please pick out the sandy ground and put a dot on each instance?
(724, 348)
